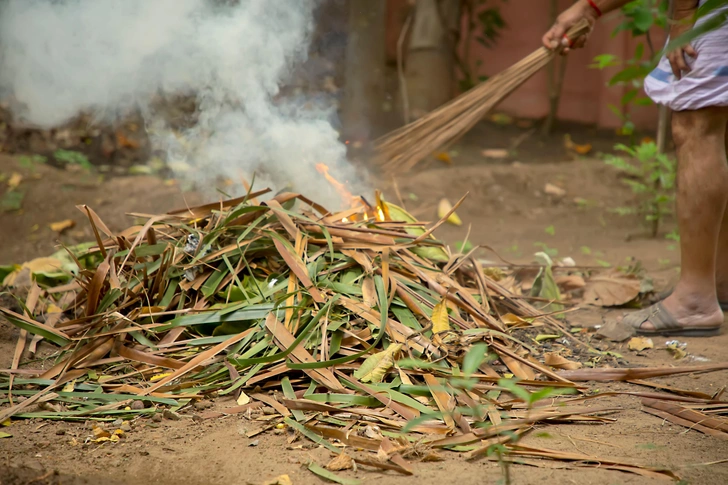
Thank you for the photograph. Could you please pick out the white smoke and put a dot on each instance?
(108, 57)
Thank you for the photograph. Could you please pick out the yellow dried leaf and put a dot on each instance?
(640, 343)
(243, 399)
(514, 320)
(148, 310)
(7, 422)
(440, 318)
(69, 386)
(119, 433)
(52, 308)
(61, 226)
(159, 377)
(556, 361)
(100, 432)
(444, 157)
(376, 366)
(281, 480)
(676, 349)
(14, 180)
(443, 208)
(580, 149)
(114, 438)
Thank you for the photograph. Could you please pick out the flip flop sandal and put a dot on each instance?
(666, 293)
(665, 324)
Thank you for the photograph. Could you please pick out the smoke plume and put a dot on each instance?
(109, 57)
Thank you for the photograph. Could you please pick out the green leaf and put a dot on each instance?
(477, 354)
(643, 19)
(324, 473)
(603, 61)
(312, 435)
(36, 329)
(511, 385)
(12, 200)
(376, 366)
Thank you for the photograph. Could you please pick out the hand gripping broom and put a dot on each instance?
(403, 148)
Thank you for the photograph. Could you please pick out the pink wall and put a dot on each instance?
(585, 95)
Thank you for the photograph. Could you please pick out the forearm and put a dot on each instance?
(604, 6)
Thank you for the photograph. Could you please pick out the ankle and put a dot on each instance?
(693, 297)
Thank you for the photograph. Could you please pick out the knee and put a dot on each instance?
(698, 126)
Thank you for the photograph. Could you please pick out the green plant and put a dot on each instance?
(651, 176)
(31, 161)
(639, 18)
(70, 157)
(484, 24)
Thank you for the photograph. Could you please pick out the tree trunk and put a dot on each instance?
(430, 62)
(555, 80)
(365, 70)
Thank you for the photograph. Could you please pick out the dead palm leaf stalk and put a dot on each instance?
(404, 148)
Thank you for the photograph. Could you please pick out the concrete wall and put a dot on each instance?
(585, 96)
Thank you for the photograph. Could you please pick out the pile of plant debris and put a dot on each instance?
(359, 328)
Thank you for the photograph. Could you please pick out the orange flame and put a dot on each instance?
(345, 195)
(349, 199)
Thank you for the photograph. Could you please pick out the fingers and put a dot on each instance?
(551, 38)
(580, 42)
(678, 60)
(571, 44)
(672, 57)
(690, 50)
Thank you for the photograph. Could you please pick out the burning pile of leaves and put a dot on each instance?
(358, 328)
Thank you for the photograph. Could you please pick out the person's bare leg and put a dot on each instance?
(702, 193)
(721, 273)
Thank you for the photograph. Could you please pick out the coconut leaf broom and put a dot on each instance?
(402, 149)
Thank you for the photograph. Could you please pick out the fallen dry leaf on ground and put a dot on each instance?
(570, 282)
(341, 462)
(14, 180)
(551, 189)
(558, 362)
(640, 343)
(281, 480)
(444, 157)
(497, 153)
(580, 149)
(611, 290)
(61, 226)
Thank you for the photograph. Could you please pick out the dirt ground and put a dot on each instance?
(507, 209)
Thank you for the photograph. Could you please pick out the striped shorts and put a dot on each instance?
(705, 85)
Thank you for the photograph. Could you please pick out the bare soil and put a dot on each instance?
(507, 209)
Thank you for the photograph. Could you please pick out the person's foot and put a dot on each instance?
(680, 313)
(721, 287)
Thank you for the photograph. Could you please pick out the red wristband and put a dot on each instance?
(596, 9)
